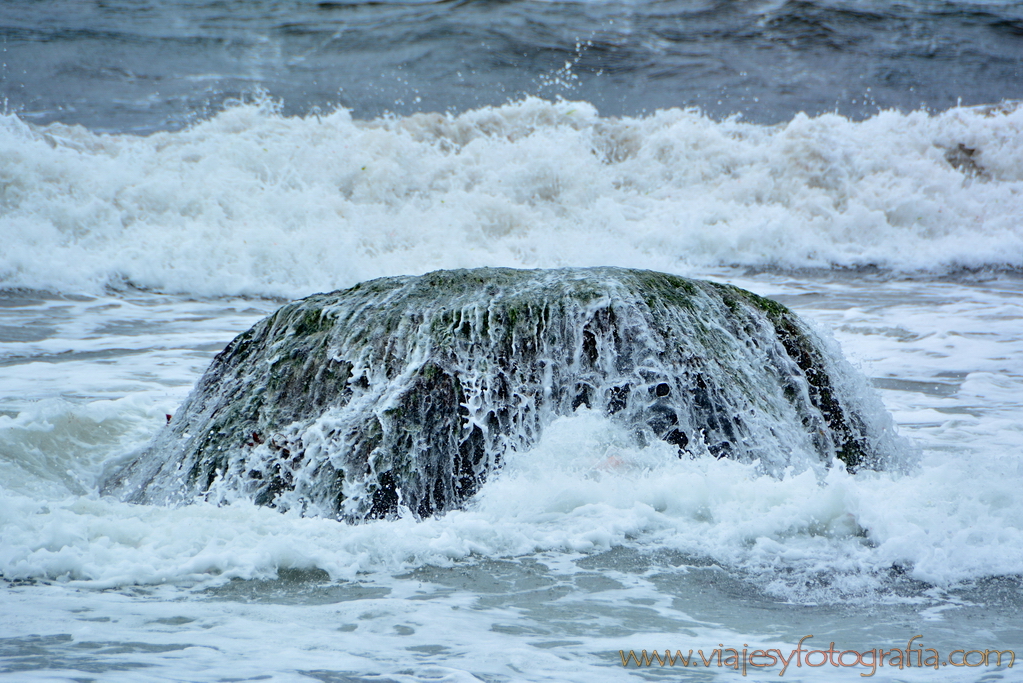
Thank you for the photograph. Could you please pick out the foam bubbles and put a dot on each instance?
(586, 488)
(252, 202)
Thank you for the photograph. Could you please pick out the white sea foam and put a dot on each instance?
(253, 202)
(809, 535)
(524, 583)
(581, 546)
(586, 488)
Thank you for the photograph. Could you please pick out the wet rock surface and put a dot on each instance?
(407, 392)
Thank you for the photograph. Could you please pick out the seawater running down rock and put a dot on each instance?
(405, 393)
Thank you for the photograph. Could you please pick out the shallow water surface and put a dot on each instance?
(557, 564)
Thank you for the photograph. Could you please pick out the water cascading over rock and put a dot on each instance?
(407, 392)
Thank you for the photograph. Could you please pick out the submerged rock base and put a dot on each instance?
(406, 392)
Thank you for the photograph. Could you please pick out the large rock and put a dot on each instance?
(409, 391)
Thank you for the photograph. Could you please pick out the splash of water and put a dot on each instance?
(405, 393)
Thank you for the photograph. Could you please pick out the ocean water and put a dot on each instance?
(170, 173)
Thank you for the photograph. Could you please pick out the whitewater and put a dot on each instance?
(127, 262)
(233, 205)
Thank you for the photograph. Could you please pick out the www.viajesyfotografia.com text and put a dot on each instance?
(758, 660)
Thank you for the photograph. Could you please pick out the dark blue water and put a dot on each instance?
(130, 65)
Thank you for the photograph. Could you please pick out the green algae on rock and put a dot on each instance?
(407, 392)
